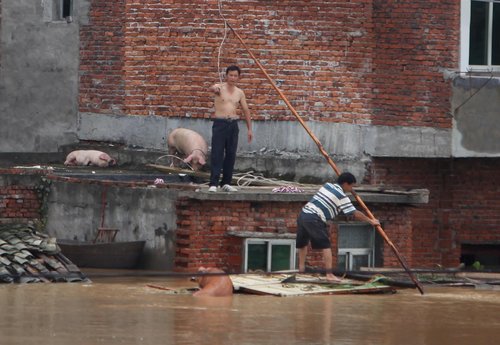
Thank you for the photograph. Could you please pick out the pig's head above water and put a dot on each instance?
(215, 283)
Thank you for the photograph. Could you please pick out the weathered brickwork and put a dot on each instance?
(202, 226)
(19, 198)
(18, 204)
(464, 207)
(464, 204)
(414, 42)
(363, 61)
(102, 78)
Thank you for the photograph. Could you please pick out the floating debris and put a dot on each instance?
(299, 285)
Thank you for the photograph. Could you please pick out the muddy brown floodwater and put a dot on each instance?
(127, 311)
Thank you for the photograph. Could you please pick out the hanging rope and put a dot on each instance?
(226, 29)
(174, 156)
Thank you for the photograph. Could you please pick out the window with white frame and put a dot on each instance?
(357, 246)
(269, 255)
(480, 35)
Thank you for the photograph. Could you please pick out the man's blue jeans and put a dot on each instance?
(224, 146)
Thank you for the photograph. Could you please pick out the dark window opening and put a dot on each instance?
(495, 49)
(66, 8)
(484, 36)
(62, 10)
(478, 41)
(480, 256)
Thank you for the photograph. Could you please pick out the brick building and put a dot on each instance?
(402, 93)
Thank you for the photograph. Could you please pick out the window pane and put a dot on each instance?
(280, 257)
(359, 261)
(478, 40)
(359, 236)
(495, 49)
(66, 6)
(341, 262)
(257, 257)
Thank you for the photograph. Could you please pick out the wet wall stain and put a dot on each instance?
(476, 111)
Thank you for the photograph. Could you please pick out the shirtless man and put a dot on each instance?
(225, 129)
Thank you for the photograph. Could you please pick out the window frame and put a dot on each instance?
(271, 242)
(465, 20)
(350, 252)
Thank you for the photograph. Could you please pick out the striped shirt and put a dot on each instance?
(328, 202)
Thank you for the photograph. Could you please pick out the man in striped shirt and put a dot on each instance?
(325, 205)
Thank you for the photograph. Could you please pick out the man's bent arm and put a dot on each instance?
(362, 217)
(215, 88)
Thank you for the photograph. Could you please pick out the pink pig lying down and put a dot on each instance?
(190, 145)
(89, 157)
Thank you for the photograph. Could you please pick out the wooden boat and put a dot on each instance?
(102, 255)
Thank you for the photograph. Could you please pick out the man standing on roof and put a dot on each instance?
(225, 129)
(325, 205)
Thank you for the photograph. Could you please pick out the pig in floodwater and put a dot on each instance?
(214, 285)
(190, 145)
(89, 157)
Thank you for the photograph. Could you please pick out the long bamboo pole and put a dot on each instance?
(332, 163)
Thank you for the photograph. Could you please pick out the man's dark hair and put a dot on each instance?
(233, 68)
(346, 177)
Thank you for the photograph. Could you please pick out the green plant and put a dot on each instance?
(477, 266)
(42, 190)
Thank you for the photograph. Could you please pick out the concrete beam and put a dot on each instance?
(417, 196)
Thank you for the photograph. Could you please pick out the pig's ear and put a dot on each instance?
(103, 157)
(202, 161)
(188, 159)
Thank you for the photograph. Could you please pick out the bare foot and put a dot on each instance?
(332, 278)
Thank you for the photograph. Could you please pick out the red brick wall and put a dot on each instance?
(361, 61)
(20, 193)
(414, 40)
(18, 203)
(202, 225)
(102, 75)
(464, 204)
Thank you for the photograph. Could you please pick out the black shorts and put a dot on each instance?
(310, 227)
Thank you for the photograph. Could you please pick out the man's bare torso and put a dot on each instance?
(227, 102)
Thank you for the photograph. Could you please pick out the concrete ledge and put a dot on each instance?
(266, 235)
(416, 196)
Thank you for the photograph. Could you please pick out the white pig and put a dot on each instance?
(89, 157)
(190, 145)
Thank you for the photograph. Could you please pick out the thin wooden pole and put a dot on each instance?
(332, 163)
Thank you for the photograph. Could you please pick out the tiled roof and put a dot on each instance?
(28, 256)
